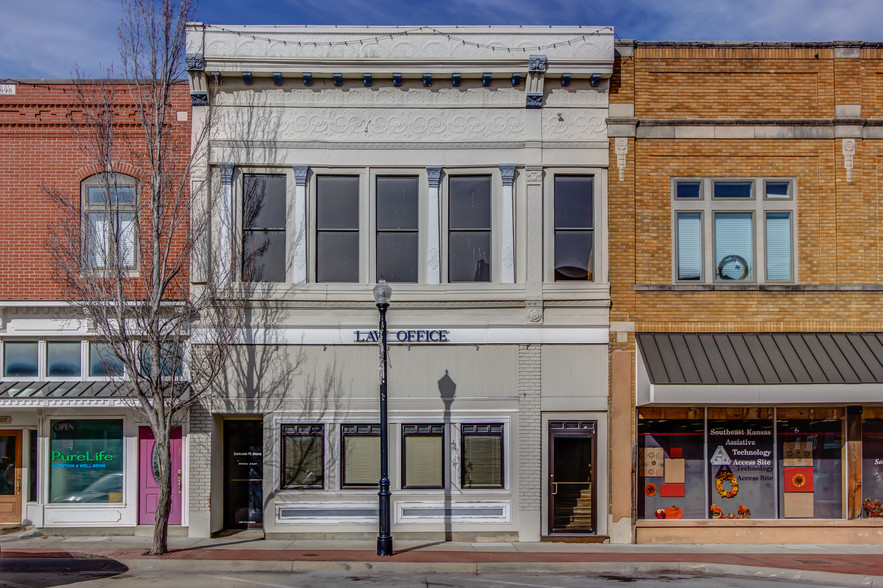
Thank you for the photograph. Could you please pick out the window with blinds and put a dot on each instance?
(360, 450)
(423, 451)
(731, 230)
(303, 456)
(110, 207)
(481, 456)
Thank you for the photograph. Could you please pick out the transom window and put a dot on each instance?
(110, 221)
(729, 231)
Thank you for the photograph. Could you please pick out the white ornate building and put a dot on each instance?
(468, 165)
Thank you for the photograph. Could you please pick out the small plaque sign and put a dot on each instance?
(7, 89)
(5, 420)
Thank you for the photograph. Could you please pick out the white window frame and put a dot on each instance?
(708, 206)
(122, 180)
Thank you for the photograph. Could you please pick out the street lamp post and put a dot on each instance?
(382, 293)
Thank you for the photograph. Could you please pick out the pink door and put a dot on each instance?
(149, 472)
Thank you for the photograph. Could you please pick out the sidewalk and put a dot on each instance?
(841, 564)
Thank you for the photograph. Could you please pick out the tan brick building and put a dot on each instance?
(745, 259)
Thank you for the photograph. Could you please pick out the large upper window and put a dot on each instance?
(263, 228)
(397, 228)
(469, 229)
(574, 228)
(733, 230)
(110, 221)
(337, 228)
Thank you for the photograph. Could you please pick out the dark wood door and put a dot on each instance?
(572, 476)
(10, 477)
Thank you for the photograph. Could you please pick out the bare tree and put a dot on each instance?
(123, 254)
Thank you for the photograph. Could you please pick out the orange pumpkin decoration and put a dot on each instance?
(673, 512)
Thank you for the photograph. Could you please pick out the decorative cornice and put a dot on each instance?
(537, 63)
(226, 173)
(300, 174)
(433, 175)
(507, 170)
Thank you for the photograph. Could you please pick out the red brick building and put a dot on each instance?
(57, 414)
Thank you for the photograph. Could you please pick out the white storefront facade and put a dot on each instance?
(468, 166)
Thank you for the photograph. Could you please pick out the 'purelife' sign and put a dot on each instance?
(405, 336)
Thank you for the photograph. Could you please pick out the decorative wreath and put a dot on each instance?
(737, 261)
(799, 480)
(726, 477)
(650, 489)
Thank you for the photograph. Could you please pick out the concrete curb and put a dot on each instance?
(612, 568)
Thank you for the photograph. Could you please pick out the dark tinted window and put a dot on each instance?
(469, 222)
(574, 223)
(263, 221)
(687, 190)
(732, 189)
(337, 229)
(397, 228)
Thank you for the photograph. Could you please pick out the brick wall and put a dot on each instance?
(39, 153)
(530, 427)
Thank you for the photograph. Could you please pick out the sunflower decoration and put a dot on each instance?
(799, 480)
(650, 489)
(723, 477)
(744, 512)
(716, 511)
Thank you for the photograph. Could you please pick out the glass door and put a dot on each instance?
(571, 476)
(243, 474)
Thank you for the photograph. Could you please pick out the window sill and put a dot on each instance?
(760, 287)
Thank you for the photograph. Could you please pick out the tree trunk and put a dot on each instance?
(164, 505)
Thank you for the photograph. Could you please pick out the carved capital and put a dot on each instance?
(534, 175)
(537, 63)
(300, 174)
(226, 173)
(507, 170)
(621, 146)
(195, 62)
(848, 149)
(433, 174)
(198, 99)
(534, 100)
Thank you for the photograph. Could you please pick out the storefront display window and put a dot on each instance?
(810, 443)
(872, 465)
(740, 463)
(86, 461)
(748, 463)
(671, 469)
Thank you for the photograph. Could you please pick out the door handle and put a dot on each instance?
(18, 485)
(554, 488)
(179, 481)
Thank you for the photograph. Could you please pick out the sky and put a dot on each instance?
(56, 38)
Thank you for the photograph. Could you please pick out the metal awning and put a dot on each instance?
(22, 390)
(760, 367)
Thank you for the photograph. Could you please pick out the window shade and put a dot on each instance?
(689, 246)
(361, 460)
(733, 246)
(302, 461)
(482, 460)
(423, 461)
(778, 246)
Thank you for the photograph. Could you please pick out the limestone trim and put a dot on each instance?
(848, 150)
